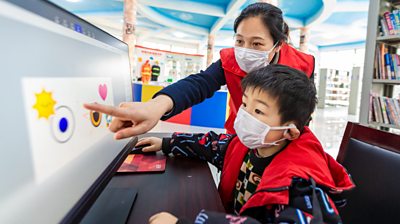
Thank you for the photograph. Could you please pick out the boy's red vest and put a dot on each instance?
(233, 75)
(303, 157)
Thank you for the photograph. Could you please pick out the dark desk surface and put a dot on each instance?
(183, 189)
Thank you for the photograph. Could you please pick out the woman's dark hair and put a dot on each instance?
(271, 17)
(295, 93)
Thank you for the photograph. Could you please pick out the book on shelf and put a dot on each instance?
(384, 27)
(375, 110)
(384, 110)
(390, 23)
(394, 17)
(392, 111)
(387, 62)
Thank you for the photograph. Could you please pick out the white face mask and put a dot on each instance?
(251, 60)
(252, 132)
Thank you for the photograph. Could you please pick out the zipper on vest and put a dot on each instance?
(277, 189)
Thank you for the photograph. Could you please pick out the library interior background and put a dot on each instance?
(111, 51)
(357, 67)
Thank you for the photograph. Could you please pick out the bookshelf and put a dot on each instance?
(334, 88)
(379, 103)
(388, 82)
(391, 39)
(384, 125)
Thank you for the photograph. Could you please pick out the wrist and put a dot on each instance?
(166, 146)
(164, 103)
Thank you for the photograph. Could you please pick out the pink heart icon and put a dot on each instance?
(103, 91)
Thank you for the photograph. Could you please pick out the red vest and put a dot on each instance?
(234, 75)
(303, 157)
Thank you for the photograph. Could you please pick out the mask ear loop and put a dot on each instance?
(284, 133)
(273, 47)
(276, 142)
(283, 127)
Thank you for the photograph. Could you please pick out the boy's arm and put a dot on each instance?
(210, 146)
(273, 214)
(205, 217)
(299, 210)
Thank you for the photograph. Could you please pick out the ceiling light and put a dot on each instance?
(179, 34)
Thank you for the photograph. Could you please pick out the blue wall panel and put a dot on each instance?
(211, 112)
(137, 92)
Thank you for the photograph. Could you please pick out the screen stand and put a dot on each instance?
(112, 206)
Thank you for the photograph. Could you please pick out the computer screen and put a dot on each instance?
(52, 149)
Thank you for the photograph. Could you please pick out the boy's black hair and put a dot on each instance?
(295, 93)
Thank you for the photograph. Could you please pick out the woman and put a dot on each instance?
(260, 39)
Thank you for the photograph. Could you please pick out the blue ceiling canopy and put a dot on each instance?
(345, 18)
(201, 20)
(301, 11)
(304, 10)
(201, 17)
(345, 27)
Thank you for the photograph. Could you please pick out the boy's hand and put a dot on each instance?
(163, 218)
(155, 144)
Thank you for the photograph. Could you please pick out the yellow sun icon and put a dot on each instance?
(44, 104)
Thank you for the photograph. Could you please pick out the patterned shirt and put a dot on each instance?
(249, 177)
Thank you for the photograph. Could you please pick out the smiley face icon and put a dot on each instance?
(44, 104)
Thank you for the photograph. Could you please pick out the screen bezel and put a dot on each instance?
(79, 210)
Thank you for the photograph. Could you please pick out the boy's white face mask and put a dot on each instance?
(252, 132)
(251, 60)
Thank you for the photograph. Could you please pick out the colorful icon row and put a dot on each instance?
(96, 118)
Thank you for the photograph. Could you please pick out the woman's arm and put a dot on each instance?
(134, 118)
(193, 89)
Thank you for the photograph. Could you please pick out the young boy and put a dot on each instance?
(267, 175)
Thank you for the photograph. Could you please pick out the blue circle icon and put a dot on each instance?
(63, 125)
